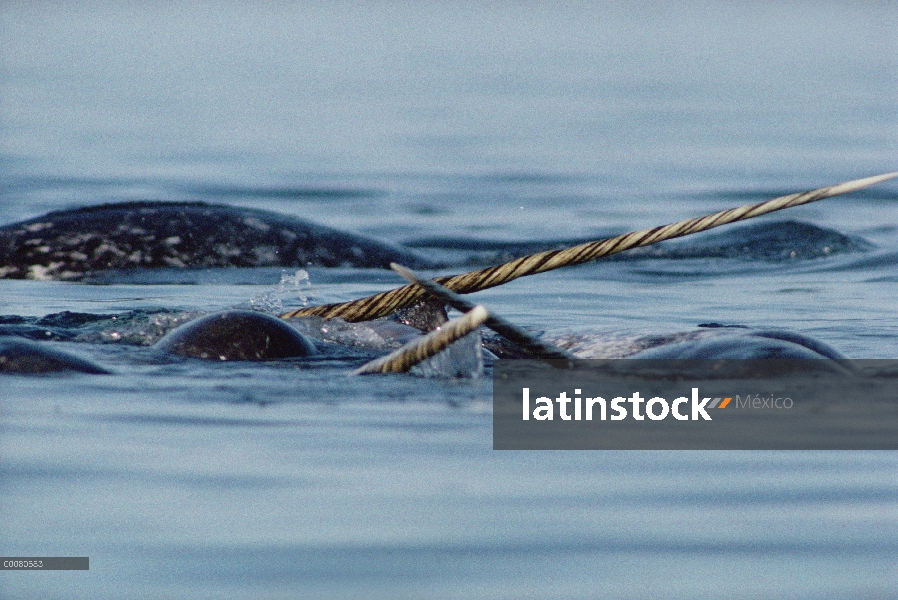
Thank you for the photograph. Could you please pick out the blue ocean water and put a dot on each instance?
(443, 126)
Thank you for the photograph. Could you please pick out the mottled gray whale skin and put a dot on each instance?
(23, 357)
(67, 245)
(237, 335)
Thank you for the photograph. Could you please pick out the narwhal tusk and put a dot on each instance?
(386, 303)
(418, 350)
(520, 336)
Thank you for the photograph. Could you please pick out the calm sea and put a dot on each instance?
(445, 126)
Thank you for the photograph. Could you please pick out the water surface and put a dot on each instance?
(491, 125)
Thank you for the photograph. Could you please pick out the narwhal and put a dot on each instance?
(68, 245)
(231, 336)
(731, 344)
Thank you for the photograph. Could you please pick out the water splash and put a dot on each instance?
(462, 359)
(380, 334)
(292, 291)
(137, 328)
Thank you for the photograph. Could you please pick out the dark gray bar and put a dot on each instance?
(773, 405)
(44, 563)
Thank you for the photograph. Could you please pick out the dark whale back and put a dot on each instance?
(750, 345)
(237, 335)
(24, 357)
(146, 235)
